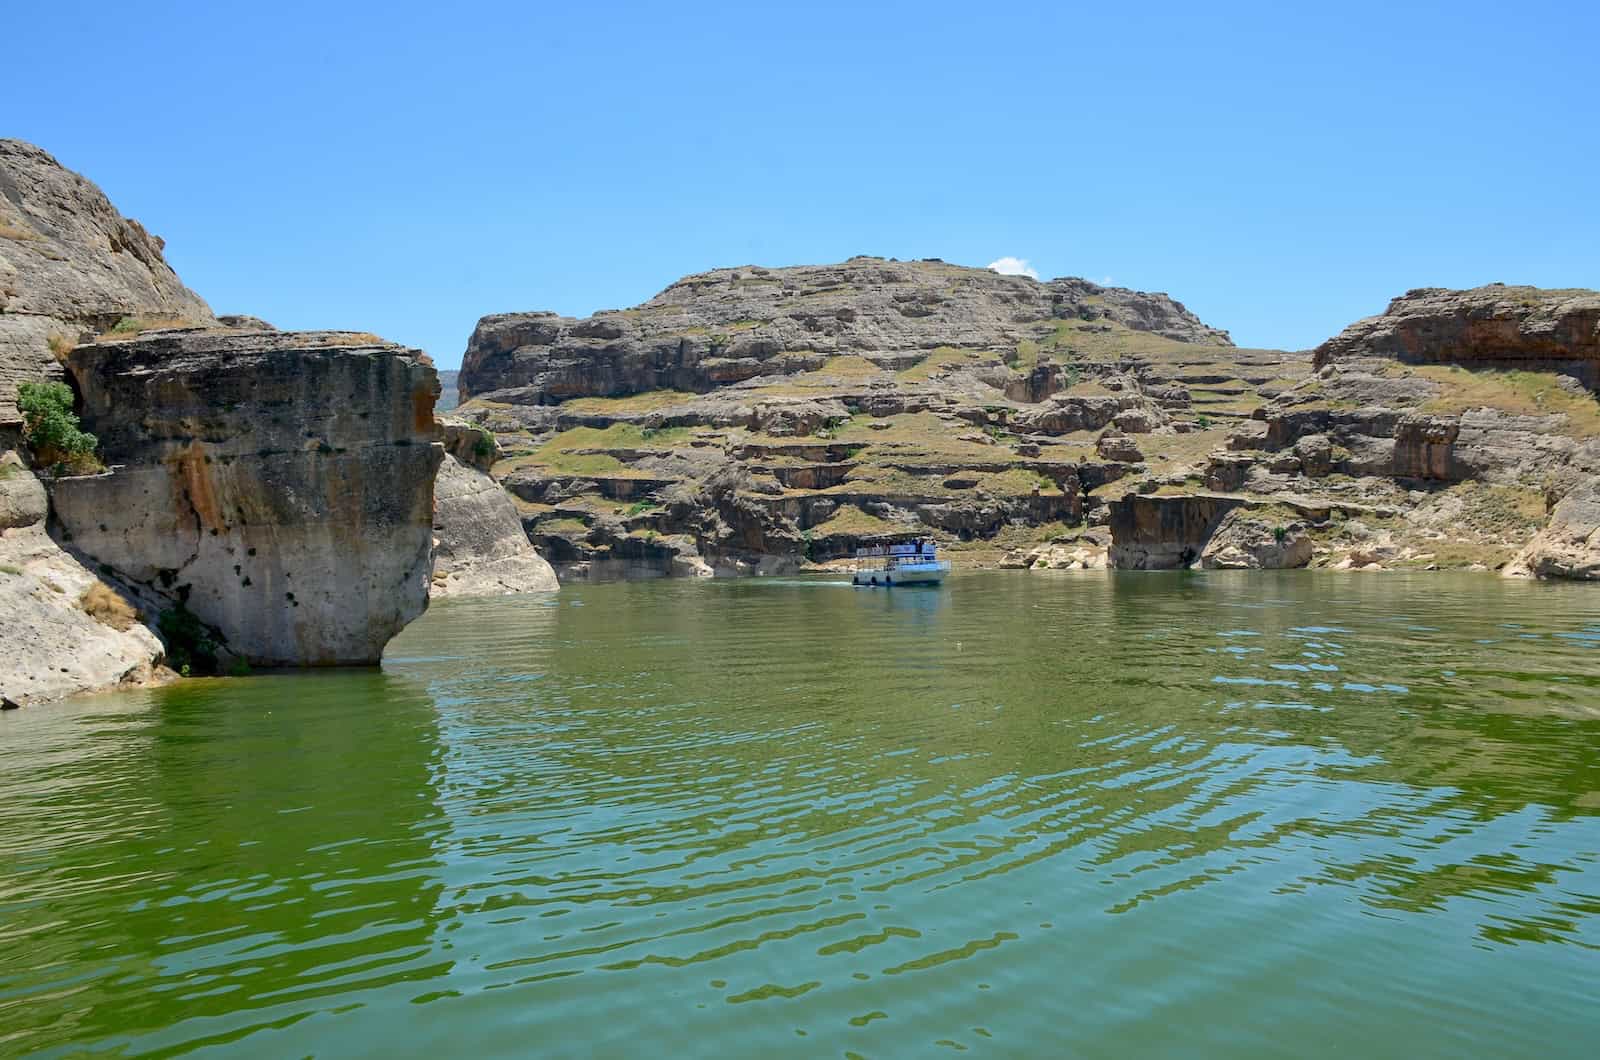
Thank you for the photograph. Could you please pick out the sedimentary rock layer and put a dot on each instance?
(278, 484)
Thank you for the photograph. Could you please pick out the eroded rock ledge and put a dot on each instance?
(278, 484)
(1496, 326)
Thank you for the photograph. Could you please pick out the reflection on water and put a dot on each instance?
(1088, 814)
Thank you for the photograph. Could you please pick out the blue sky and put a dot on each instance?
(406, 168)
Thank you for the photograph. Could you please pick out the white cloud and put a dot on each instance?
(1014, 267)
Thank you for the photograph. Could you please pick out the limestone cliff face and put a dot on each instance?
(280, 482)
(729, 325)
(480, 548)
(1492, 326)
(70, 266)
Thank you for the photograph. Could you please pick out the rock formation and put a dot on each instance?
(735, 324)
(755, 419)
(71, 266)
(279, 485)
(479, 546)
(1486, 327)
(1443, 431)
(1569, 547)
(64, 630)
(1246, 541)
(273, 490)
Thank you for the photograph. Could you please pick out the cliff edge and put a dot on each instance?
(71, 266)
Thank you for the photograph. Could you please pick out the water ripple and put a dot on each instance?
(1018, 813)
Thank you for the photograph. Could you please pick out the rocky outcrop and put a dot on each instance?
(1569, 547)
(1246, 541)
(71, 266)
(1493, 326)
(480, 548)
(755, 419)
(278, 485)
(64, 630)
(729, 325)
(1164, 532)
(469, 443)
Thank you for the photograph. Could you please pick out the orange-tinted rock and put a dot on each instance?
(282, 483)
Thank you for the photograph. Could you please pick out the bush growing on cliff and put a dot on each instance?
(190, 647)
(52, 429)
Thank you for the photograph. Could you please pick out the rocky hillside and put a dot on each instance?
(751, 419)
(71, 266)
(1453, 430)
(733, 325)
(757, 419)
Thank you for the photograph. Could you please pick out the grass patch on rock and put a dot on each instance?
(581, 451)
(941, 357)
(649, 401)
(1516, 391)
(854, 522)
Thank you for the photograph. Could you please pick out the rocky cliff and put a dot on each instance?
(1486, 327)
(277, 485)
(479, 547)
(71, 266)
(271, 494)
(753, 419)
(731, 325)
(1450, 430)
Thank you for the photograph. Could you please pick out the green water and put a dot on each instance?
(1085, 815)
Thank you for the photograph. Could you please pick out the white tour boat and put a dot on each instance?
(914, 564)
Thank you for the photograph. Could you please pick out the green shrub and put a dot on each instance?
(484, 448)
(51, 427)
(1279, 533)
(190, 646)
(1203, 422)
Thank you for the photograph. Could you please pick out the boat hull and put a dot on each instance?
(906, 575)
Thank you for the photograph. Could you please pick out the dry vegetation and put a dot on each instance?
(1518, 392)
(8, 230)
(105, 606)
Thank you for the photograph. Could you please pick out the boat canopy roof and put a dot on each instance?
(912, 548)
